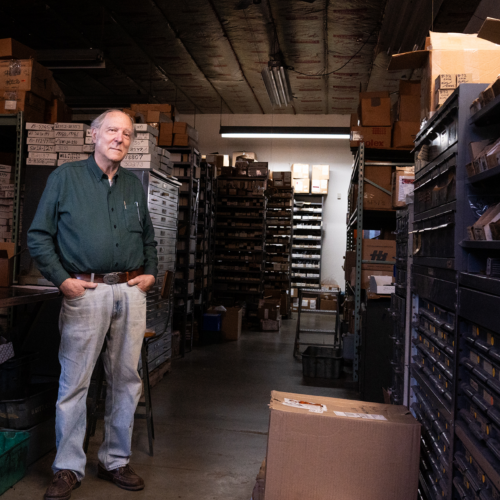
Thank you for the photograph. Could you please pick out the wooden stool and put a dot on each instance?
(96, 408)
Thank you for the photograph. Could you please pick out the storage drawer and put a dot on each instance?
(435, 237)
(161, 220)
(162, 202)
(438, 291)
(480, 308)
(168, 234)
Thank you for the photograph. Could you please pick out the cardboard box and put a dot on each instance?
(327, 302)
(402, 186)
(409, 87)
(375, 109)
(321, 172)
(33, 106)
(7, 251)
(464, 78)
(441, 96)
(319, 186)
(28, 76)
(382, 285)
(269, 309)
(270, 325)
(368, 270)
(446, 82)
(231, 323)
(12, 49)
(373, 197)
(282, 296)
(301, 185)
(482, 231)
(58, 111)
(327, 448)
(373, 137)
(300, 171)
(409, 108)
(258, 169)
(405, 134)
(243, 155)
(450, 53)
(379, 251)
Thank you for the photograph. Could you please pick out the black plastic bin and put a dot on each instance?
(27, 411)
(15, 375)
(322, 362)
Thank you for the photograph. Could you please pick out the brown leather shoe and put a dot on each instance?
(63, 483)
(124, 477)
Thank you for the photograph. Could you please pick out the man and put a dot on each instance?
(92, 237)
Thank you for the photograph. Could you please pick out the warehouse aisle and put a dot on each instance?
(211, 422)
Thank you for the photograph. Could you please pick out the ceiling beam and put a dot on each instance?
(219, 20)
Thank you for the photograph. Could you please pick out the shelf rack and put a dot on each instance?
(360, 219)
(454, 380)
(307, 237)
(184, 311)
(205, 240)
(240, 239)
(279, 233)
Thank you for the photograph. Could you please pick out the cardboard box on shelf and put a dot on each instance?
(482, 231)
(409, 108)
(446, 82)
(409, 87)
(284, 179)
(311, 435)
(405, 134)
(301, 185)
(450, 53)
(216, 159)
(33, 106)
(382, 285)
(319, 186)
(402, 185)
(184, 140)
(27, 75)
(372, 137)
(244, 155)
(300, 171)
(379, 251)
(464, 78)
(327, 302)
(321, 172)
(441, 96)
(258, 169)
(375, 109)
(374, 198)
(12, 49)
(368, 270)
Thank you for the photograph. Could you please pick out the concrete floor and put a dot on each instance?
(211, 422)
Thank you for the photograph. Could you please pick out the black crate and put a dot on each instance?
(15, 376)
(322, 362)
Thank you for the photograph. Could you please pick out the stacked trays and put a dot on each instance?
(240, 240)
(307, 239)
(279, 240)
(162, 194)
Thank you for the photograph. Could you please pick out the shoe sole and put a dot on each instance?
(77, 485)
(100, 475)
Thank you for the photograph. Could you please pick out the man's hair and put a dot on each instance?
(97, 122)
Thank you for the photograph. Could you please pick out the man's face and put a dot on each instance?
(114, 137)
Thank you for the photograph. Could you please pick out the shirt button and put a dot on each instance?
(116, 265)
(112, 209)
(115, 227)
(117, 244)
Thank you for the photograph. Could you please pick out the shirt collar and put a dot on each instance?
(99, 174)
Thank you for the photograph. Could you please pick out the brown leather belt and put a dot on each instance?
(108, 278)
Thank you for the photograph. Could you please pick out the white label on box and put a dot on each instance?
(312, 407)
(367, 416)
(10, 105)
(139, 164)
(41, 133)
(39, 126)
(405, 187)
(325, 169)
(5, 168)
(139, 157)
(73, 156)
(141, 149)
(41, 161)
(70, 126)
(88, 132)
(42, 149)
(78, 134)
(62, 148)
(40, 140)
(69, 141)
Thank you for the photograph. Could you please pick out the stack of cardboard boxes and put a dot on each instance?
(308, 180)
(26, 85)
(269, 314)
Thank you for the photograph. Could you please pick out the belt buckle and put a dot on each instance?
(111, 278)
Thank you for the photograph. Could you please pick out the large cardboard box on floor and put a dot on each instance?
(231, 322)
(375, 109)
(450, 54)
(324, 448)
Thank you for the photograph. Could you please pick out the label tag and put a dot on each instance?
(312, 407)
(10, 105)
(366, 416)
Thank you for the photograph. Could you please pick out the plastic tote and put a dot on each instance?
(13, 453)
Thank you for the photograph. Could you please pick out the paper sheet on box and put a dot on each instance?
(366, 416)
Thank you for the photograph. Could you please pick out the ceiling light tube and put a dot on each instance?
(285, 132)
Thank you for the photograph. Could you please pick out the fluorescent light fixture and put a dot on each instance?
(277, 84)
(285, 132)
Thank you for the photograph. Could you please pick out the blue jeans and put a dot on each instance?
(118, 312)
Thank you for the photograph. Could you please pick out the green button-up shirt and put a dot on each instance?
(84, 225)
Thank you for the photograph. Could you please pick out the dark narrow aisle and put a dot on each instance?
(211, 422)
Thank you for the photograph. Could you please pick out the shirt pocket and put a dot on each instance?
(132, 220)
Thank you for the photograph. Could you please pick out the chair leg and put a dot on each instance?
(147, 397)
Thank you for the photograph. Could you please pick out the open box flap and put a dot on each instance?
(490, 30)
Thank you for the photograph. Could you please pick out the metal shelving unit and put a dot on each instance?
(360, 220)
(279, 233)
(184, 311)
(307, 237)
(240, 240)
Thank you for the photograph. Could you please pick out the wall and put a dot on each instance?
(281, 153)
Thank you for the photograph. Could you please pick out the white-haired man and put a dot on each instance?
(92, 237)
